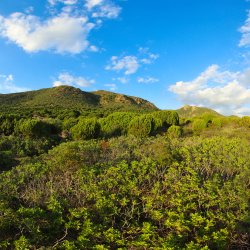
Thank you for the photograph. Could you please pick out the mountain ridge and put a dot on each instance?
(189, 111)
(71, 97)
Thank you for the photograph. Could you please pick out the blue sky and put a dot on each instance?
(170, 52)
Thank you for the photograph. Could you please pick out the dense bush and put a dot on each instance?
(168, 118)
(199, 124)
(144, 125)
(77, 198)
(88, 128)
(175, 131)
(145, 189)
(116, 124)
(7, 124)
(35, 128)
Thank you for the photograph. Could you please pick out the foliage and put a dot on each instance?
(144, 125)
(123, 180)
(175, 131)
(167, 117)
(199, 124)
(35, 128)
(93, 195)
(86, 129)
(7, 124)
(116, 124)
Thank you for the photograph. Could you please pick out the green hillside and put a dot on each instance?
(66, 97)
(193, 111)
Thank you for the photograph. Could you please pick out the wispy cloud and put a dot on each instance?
(66, 2)
(65, 31)
(122, 80)
(7, 85)
(225, 91)
(147, 79)
(245, 30)
(70, 80)
(111, 86)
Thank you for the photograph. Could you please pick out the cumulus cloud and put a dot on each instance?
(130, 64)
(245, 30)
(65, 31)
(7, 85)
(90, 4)
(70, 80)
(61, 33)
(147, 79)
(225, 91)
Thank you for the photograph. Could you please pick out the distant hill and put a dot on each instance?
(67, 97)
(192, 111)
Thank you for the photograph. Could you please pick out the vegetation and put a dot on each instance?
(94, 179)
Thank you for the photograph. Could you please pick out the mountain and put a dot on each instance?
(67, 97)
(192, 111)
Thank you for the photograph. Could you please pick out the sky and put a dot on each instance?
(170, 52)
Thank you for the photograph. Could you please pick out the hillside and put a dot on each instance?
(66, 97)
(192, 111)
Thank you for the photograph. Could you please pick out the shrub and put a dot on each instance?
(244, 122)
(68, 123)
(199, 124)
(88, 128)
(116, 124)
(175, 131)
(35, 128)
(144, 125)
(7, 124)
(167, 118)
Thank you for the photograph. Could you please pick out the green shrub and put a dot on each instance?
(7, 124)
(167, 117)
(175, 131)
(116, 124)
(199, 124)
(88, 128)
(68, 123)
(244, 122)
(35, 128)
(217, 122)
(144, 125)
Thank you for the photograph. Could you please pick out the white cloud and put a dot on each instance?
(148, 79)
(68, 79)
(93, 48)
(111, 86)
(107, 10)
(65, 31)
(90, 4)
(148, 57)
(66, 2)
(7, 85)
(225, 91)
(245, 30)
(122, 80)
(129, 64)
(61, 33)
